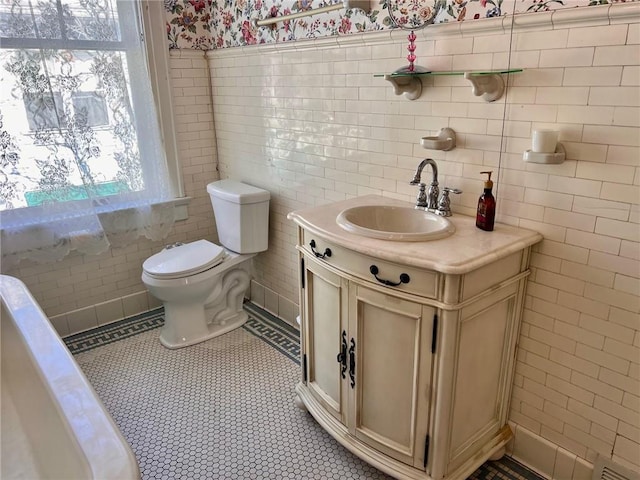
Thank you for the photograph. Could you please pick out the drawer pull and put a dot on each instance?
(327, 251)
(404, 278)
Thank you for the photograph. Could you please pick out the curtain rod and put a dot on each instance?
(306, 13)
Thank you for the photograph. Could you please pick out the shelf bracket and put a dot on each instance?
(490, 86)
(410, 87)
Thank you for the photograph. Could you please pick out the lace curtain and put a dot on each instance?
(81, 159)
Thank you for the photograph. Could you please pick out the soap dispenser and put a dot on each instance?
(486, 206)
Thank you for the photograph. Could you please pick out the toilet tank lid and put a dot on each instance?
(237, 192)
(187, 259)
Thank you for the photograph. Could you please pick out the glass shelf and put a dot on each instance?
(488, 84)
(434, 74)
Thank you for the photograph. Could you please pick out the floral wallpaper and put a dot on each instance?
(211, 24)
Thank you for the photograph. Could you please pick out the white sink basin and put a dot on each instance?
(400, 224)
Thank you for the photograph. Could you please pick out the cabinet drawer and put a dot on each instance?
(418, 281)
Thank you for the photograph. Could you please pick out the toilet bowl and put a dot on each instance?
(201, 284)
(201, 301)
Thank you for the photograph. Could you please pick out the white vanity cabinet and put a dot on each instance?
(408, 348)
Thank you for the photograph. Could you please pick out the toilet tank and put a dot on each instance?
(242, 215)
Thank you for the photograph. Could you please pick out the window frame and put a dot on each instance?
(155, 40)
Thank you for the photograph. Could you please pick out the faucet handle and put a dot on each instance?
(421, 200)
(444, 204)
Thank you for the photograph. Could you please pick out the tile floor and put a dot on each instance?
(222, 409)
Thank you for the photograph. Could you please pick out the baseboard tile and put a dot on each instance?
(274, 303)
(546, 458)
(88, 318)
(256, 294)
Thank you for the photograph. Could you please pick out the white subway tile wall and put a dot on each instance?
(312, 125)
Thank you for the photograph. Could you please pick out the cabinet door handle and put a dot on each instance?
(342, 356)
(327, 251)
(352, 363)
(404, 278)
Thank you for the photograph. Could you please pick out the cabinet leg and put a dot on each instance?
(299, 403)
(498, 455)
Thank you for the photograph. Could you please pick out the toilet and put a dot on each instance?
(201, 284)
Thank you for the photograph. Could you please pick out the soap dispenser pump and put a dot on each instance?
(486, 213)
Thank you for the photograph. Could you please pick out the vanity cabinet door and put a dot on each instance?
(389, 403)
(325, 297)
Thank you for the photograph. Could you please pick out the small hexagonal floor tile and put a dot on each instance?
(221, 409)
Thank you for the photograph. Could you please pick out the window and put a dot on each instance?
(92, 106)
(42, 113)
(80, 132)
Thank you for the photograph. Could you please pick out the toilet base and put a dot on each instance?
(173, 340)
(186, 324)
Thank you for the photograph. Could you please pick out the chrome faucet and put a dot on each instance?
(428, 200)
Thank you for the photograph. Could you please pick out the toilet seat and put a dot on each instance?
(184, 260)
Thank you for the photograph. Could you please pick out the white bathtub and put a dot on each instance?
(53, 424)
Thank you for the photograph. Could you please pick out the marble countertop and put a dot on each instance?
(466, 250)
